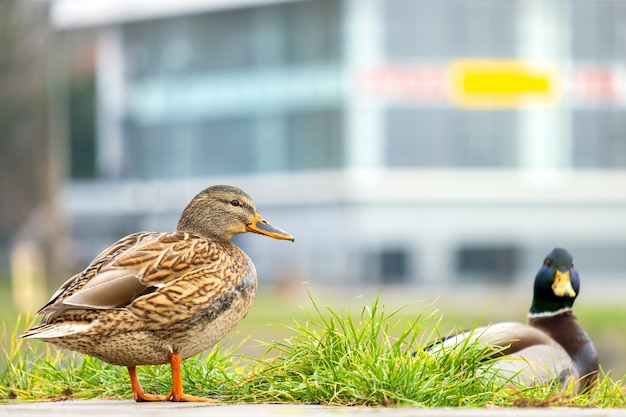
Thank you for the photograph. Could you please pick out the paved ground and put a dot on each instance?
(131, 408)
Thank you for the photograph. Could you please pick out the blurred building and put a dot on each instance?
(399, 140)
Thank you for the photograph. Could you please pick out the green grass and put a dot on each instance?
(330, 356)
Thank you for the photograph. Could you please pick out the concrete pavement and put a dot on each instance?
(118, 408)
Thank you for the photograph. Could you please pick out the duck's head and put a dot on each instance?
(556, 285)
(222, 211)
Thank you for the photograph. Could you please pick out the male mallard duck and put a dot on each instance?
(552, 344)
(156, 298)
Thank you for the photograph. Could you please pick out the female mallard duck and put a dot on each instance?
(156, 298)
(552, 345)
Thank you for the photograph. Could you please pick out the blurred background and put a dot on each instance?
(436, 149)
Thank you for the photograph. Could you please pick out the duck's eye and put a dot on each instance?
(547, 262)
(235, 203)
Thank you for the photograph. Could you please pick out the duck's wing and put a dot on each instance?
(536, 364)
(195, 280)
(521, 353)
(77, 283)
(505, 338)
(160, 279)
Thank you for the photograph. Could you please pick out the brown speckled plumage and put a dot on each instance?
(155, 298)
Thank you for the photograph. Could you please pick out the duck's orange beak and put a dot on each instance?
(262, 227)
(562, 285)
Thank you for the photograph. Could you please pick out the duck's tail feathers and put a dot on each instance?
(55, 330)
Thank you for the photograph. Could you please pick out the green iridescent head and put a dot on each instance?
(556, 284)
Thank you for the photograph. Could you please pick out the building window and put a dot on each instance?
(314, 140)
(217, 147)
(394, 265)
(429, 29)
(450, 138)
(598, 30)
(487, 263)
(599, 140)
(312, 31)
(238, 145)
(207, 94)
(298, 33)
(388, 265)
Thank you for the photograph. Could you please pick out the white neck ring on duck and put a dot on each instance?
(549, 313)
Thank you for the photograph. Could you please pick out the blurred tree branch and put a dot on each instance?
(33, 140)
(23, 116)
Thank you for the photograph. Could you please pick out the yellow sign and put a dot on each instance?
(501, 83)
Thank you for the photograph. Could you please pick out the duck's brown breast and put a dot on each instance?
(566, 331)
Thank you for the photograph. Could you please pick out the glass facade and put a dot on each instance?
(426, 29)
(356, 87)
(451, 138)
(234, 92)
(443, 31)
(598, 30)
(289, 34)
(598, 138)
(264, 89)
(440, 31)
(597, 44)
(189, 150)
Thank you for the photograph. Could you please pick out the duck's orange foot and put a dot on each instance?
(138, 393)
(188, 398)
(143, 397)
(176, 394)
